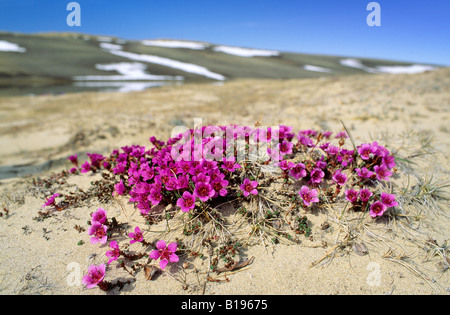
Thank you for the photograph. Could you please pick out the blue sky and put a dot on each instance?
(411, 30)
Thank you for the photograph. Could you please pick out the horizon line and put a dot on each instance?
(224, 44)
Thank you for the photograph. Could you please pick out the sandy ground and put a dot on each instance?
(410, 114)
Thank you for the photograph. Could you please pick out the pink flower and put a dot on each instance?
(50, 201)
(308, 132)
(304, 140)
(171, 184)
(120, 167)
(144, 208)
(146, 172)
(351, 195)
(201, 177)
(95, 275)
(99, 216)
(73, 159)
(366, 151)
(184, 166)
(98, 233)
(298, 171)
(86, 167)
(95, 159)
(365, 194)
(377, 209)
(285, 147)
(339, 178)
(388, 200)
(164, 176)
(285, 165)
(324, 147)
(155, 196)
(342, 134)
(203, 191)
(264, 134)
(230, 164)
(187, 202)
(219, 187)
(196, 170)
(345, 157)
(379, 150)
(317, 175)
(182, 181)
(274, 155)
(309, 196)
(114, 253)
(389, 161)
(136, 236)
(120, 188)
(157, 143)
(249, 187)
(382, 172)
(332, 150)
(364, 172)
(321, 163)
(165, 253)
(285, 132)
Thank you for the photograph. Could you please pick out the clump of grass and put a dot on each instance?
(410, 146)
(417, 157)
(427, 194)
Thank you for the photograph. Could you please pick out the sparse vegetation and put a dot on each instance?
(274, 174)
(409, 241)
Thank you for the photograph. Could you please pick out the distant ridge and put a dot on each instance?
(74, 57)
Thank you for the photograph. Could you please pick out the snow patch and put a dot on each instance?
(186, 67)
(246, 52)
(405, 69)
(355, 63)
(416, 68)
(8, 46)
(109, 46)
(127, 71)
(317, 69)
(136, 70)
(175, 44)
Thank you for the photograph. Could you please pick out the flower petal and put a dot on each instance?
(102, 268)
(161, 244)
(172, 247)
(173, 258)
(187, 195)
(154, 254)
(94, 240)
(87, 281)
(163, 263)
